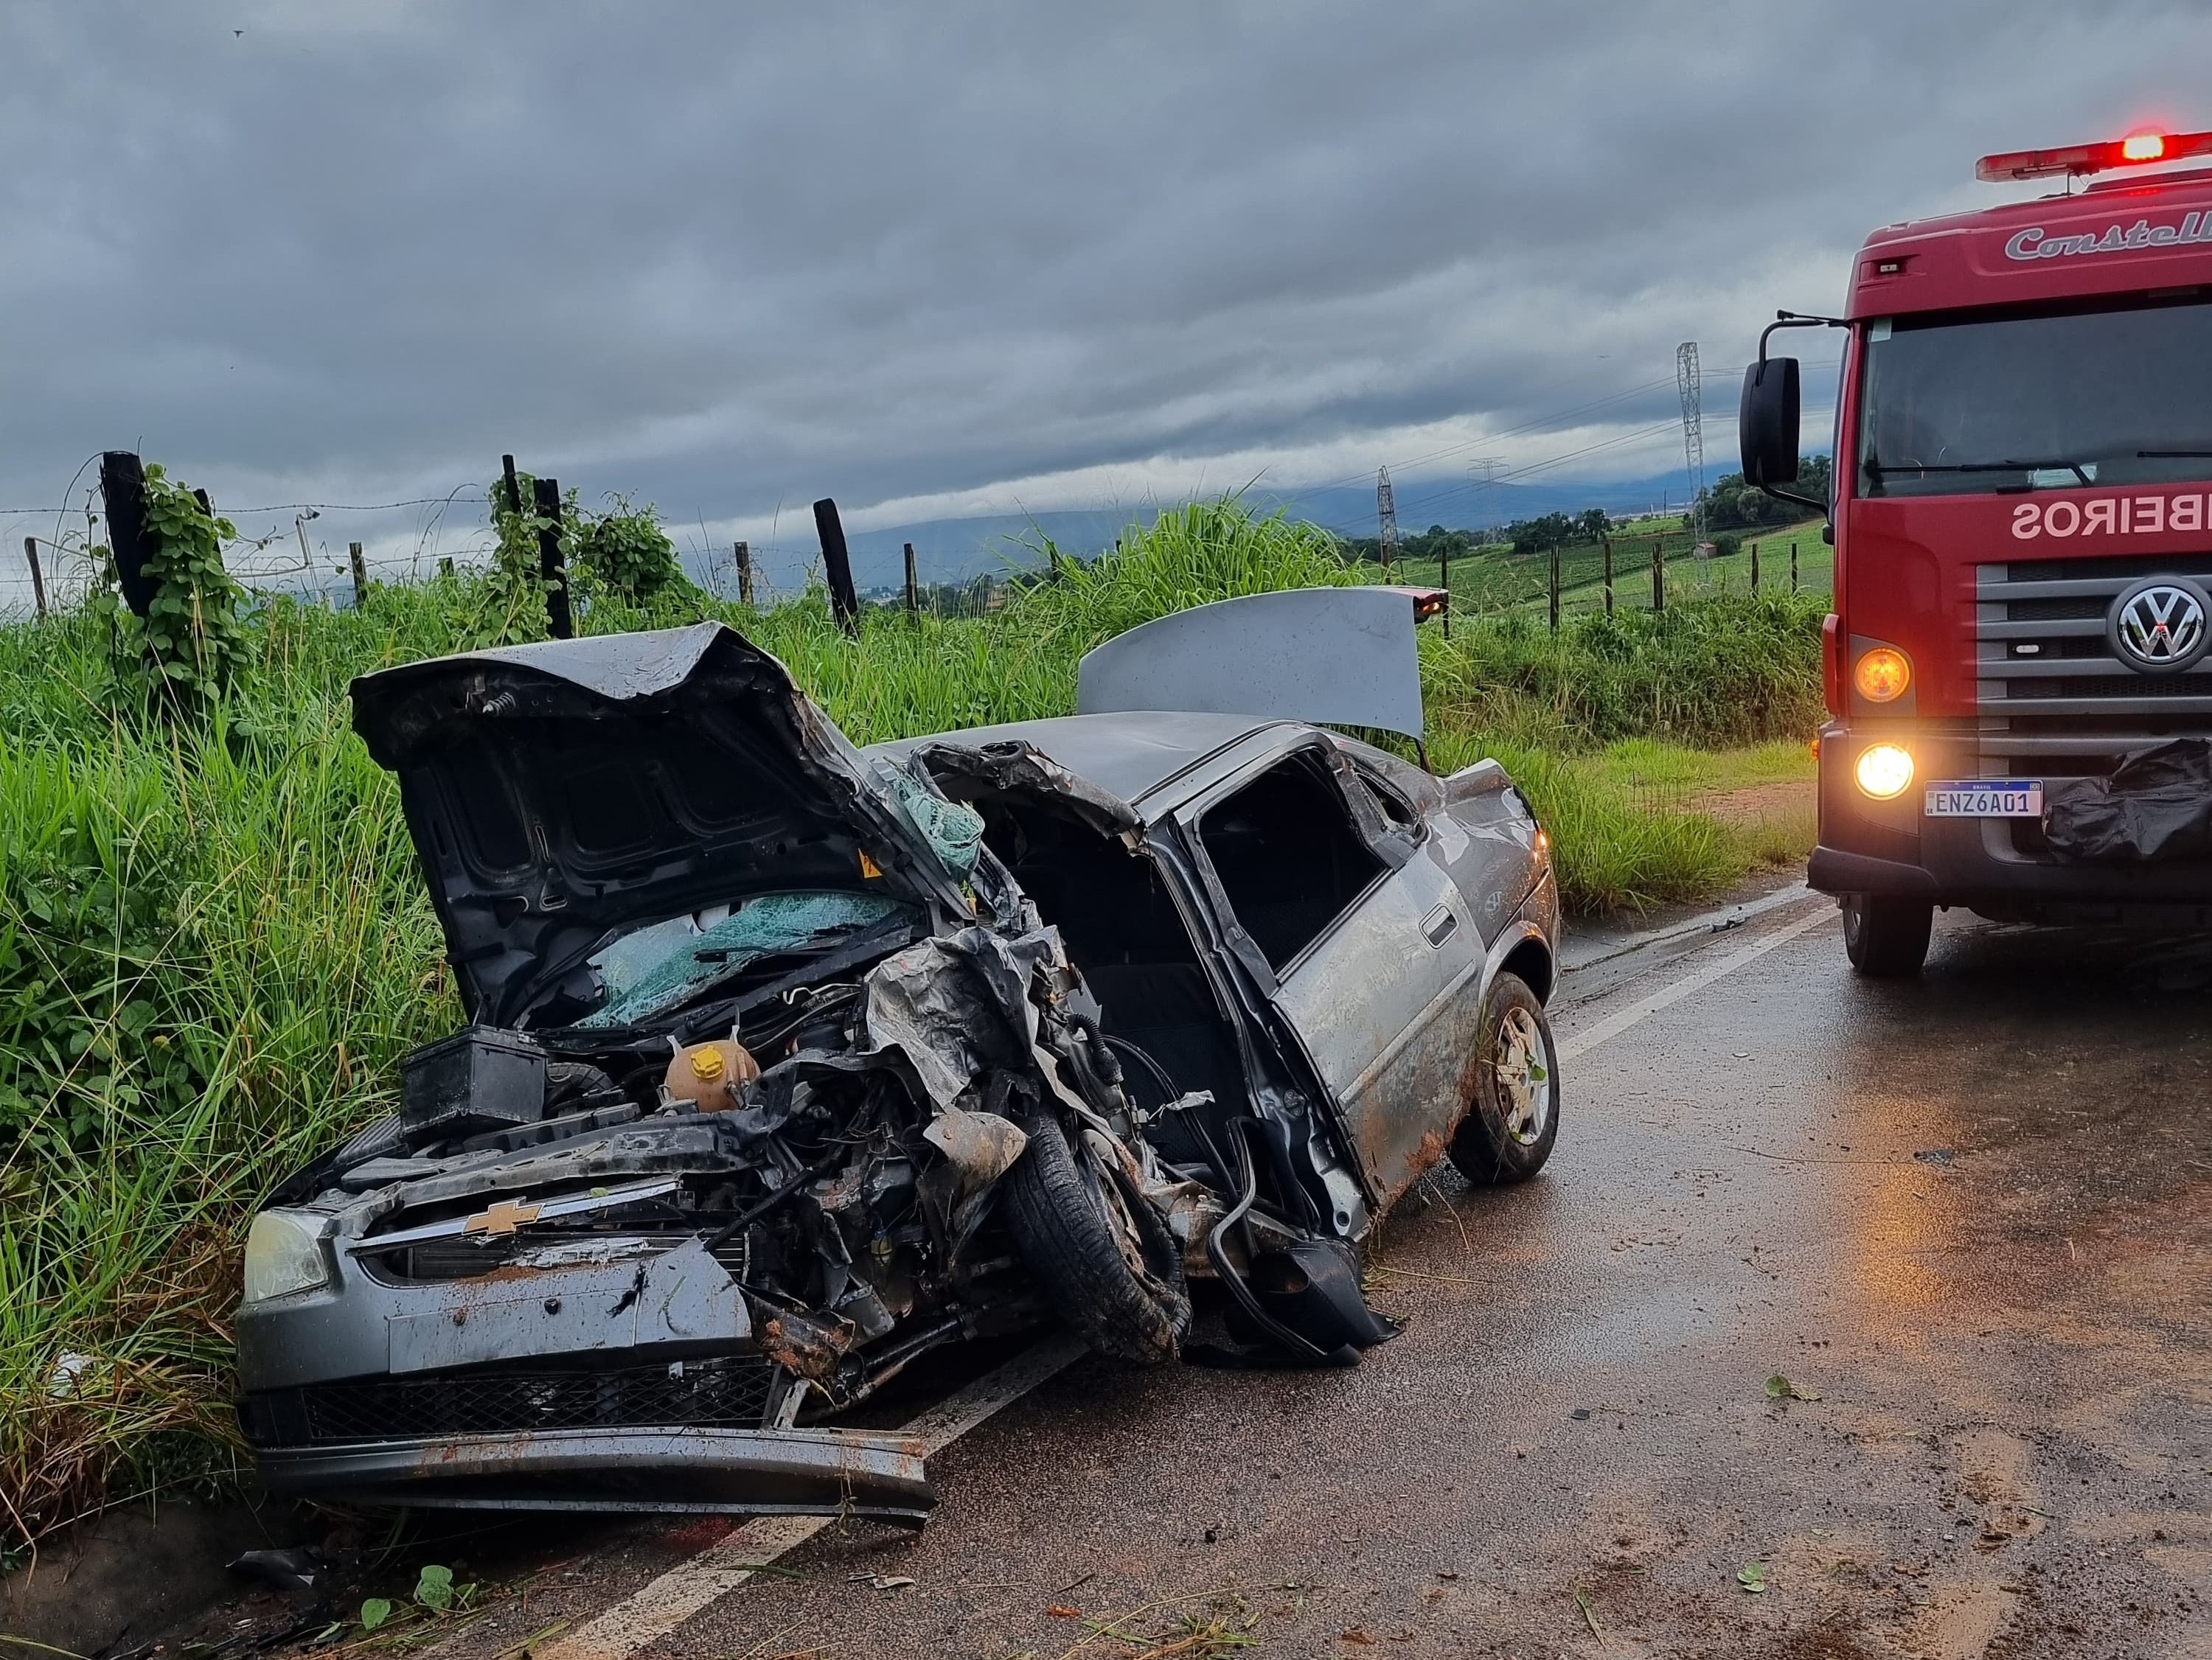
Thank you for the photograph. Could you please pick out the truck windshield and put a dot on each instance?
(2108, 397)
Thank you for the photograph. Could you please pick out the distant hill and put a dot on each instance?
(960, 549)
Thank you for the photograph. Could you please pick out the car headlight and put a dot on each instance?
(284, 1254)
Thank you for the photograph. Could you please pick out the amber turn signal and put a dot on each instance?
(1882, 674)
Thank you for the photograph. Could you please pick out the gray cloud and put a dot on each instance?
(726, 257)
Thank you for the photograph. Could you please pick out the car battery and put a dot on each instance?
(480, 1078)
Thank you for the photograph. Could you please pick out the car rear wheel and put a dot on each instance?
(1105, 1257)
(1513, 1093)
(1885, 936)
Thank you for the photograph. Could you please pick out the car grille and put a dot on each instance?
(2070, 707)
(727, 1393)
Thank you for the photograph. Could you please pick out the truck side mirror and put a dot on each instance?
(1766, 421)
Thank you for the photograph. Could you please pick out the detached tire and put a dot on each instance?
(1886, 937)
(1513, 1094)
(1104, 1257)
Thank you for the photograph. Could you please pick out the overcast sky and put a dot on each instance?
(948, 259)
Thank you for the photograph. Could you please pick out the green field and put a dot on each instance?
(215, 947)
(1495, 579)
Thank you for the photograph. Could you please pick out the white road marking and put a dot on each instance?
(651, 1613)
(1621, 1019)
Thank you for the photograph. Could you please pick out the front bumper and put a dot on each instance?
(1893, 848)
(766, 1472)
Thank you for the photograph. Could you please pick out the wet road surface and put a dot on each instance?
(1969, 1218)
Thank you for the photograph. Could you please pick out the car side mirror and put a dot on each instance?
(1766, 422)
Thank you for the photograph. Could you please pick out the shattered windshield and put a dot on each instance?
(2117, 396)
(658, 966)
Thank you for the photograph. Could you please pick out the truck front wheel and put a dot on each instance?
(1887, 936)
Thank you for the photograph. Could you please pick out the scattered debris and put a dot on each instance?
(287, 1570)
(1589, 1616)
(1936, 1155)
(1779, 1388)
(1752, 1576)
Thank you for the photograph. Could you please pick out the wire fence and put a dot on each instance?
(1632, 572)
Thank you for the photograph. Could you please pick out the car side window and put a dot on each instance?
(1287, 856)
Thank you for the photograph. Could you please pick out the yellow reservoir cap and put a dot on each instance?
(707, 1063)
(1882, 674)
(1884, 771)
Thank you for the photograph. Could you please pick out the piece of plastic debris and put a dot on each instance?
(1752, 1576)
(1579, 1413)
(287, 1570)
(1936, 1155)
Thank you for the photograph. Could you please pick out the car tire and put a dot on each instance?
(1887, 936)
(1507, 1133)
(1105, 1257)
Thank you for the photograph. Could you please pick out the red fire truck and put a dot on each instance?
(2016, 671)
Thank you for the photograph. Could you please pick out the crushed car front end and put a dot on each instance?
(759, 1030)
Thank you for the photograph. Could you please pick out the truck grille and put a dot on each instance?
(731, 1393)
(2068, 706)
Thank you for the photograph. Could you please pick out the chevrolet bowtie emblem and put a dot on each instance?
(502, 1218)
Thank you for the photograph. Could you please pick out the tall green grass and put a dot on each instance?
(214, 944)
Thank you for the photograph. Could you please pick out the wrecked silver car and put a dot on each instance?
(789, 1063)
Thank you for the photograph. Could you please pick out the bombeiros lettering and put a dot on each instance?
(2110, 515)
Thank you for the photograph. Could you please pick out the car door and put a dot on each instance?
(1368, 944)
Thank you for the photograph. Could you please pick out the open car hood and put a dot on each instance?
(560, 792)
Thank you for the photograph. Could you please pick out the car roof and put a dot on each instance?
(1128, 754)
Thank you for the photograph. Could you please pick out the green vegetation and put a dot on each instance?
(213, 945)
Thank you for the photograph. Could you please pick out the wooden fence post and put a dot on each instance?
(446, 566)
(1793, 567)
(1754, 568)
(123, 490)
(1555, 587)
(1658, 573)
(360, 573)
(744, 551)
(837, 565)
(558, 621)
(514, 488)
(913, 594)
(38, 577)
(1443, 581)
(1607, 541)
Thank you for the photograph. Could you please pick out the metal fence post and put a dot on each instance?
(38, 577)
(559, 623)
(1658, 573)
(1555, 587)
(1793, 567)
(1754, 568)
(744, 573)
(360, 573)
(1607, 540)
(912, 597)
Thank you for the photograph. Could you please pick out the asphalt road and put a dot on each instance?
(1968, 1219)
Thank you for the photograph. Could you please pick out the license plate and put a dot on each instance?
(1986, 798)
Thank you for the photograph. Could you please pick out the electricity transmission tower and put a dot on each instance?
(1386, 512)
(1489, 467)
(1693, 435)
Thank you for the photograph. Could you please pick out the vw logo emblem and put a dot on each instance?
(2158, 626)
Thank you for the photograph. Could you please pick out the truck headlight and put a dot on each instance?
(284, 1254)
(1884, 771)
